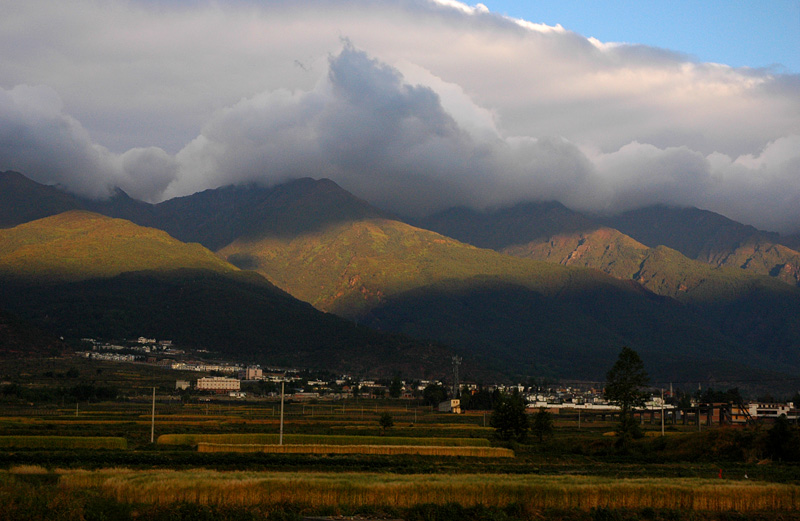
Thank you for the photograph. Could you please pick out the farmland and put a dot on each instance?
(219, 458)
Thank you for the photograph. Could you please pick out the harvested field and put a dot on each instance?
(62, 442)
(383, 450)
(306, 439)
(399, 491)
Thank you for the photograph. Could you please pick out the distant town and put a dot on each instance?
(242, 381)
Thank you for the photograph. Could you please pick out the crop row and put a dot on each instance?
(62, 442)
(382, 450)
(309, 439)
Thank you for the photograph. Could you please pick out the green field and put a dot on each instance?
(93, 459)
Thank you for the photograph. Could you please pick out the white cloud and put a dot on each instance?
(443, 103)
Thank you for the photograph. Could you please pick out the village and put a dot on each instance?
(227, 380)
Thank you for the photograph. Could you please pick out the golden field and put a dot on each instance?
(326, 489)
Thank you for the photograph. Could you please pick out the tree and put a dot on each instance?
(386, 421)
(434, 394)
(542, 424)
(396, 387)
(509, 419)
(782, 440)
(623, 388)
(480, 401)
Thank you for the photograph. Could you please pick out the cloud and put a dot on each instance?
(759, 189)
(434, 104)
(389, 141)
(39, 139)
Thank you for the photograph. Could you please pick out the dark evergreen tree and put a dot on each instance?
(396, 387)
(624, 382)
(542, 424)
(480, 401)
(386, 422)
(783, 440)
(509, 418)
(434, 394)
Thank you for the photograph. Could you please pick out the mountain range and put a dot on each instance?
(534, 290)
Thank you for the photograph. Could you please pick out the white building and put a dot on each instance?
(453, 406)
(251, 373)
(218, 383)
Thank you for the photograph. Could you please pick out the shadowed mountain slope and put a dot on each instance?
(240, 318)
(499, 229)
(19, 338)
(82, 274)
(23, 200)
(742, 304)
(217, 217)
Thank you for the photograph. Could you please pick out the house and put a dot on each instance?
(453, 406)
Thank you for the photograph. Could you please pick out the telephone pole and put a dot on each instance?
(456, 363)
(280, 437)
(153, 419)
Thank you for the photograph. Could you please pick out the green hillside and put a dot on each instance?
(519, 315)
(350, 268)
(661, 270)
(713, 239)
(79, 245)
(550, 231)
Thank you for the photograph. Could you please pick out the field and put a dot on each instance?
(220, 459)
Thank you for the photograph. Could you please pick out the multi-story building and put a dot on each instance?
(218, 384)
(251, 373)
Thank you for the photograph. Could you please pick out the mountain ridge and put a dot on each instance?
(320, 243)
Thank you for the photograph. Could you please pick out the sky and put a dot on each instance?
(413, 105)
(739, 33)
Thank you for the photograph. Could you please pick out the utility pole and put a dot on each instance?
(456, 363)
(153, 419)
(280, 437)
(662, 412)
(699, 428)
